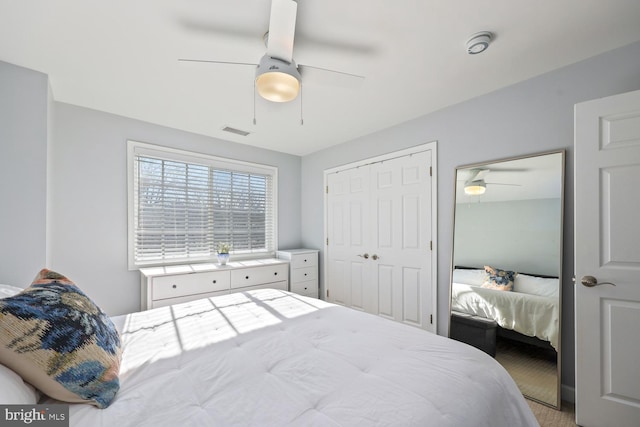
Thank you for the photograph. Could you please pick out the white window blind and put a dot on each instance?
(183, 206)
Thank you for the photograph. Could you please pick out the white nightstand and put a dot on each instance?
(303, 270)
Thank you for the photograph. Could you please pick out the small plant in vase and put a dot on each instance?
(223, 253)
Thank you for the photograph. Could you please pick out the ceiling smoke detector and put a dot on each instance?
(479, 42)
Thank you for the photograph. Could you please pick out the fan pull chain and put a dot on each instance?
(301, 119)
(254, 102)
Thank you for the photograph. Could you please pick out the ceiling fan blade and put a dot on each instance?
(219, 30)
(509, 169)
(482, 173)
(282, 27)
(349, 48)
(303, 41)
(498, 183)
(325, 77)
(217, 62)
(476, 174)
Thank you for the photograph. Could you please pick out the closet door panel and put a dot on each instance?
(385, 289)
(411, 296)
(348, 225)
(401, 192)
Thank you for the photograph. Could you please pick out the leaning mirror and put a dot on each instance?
(507, 267)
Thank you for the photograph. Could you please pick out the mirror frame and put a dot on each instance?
(562, 152)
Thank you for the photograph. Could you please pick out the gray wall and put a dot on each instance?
(529, 117)
(23, 168)
(63, 188)
(89, 197)
(518, 235)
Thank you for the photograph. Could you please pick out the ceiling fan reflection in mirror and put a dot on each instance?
(475, 184)
(278, 77)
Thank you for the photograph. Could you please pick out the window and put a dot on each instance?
(181, 205)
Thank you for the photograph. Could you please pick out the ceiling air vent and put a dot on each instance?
(236, 131)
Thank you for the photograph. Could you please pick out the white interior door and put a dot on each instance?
(401, 232)
(379, 234)
(607, 247)
(348, 232)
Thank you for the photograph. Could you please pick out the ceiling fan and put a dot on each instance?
(475, 184)
(278, 77)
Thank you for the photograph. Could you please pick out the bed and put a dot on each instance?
(272, 358)
(531, 309)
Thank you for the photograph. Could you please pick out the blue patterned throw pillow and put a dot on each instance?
(501, 280)
(58, 340)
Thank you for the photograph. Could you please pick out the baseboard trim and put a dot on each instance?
(568, 393)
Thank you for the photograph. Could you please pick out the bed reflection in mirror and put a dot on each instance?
(507, 265)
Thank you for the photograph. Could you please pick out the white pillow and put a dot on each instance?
(14, 391)
(536, 285)
(9, 291)
(469, 277)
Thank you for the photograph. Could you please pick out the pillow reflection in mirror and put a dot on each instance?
(546, 287)
(500, 280)
(469, 277)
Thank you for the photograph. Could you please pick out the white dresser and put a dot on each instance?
(162, 286)
(303, 270)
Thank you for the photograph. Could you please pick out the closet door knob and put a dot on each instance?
(365, 256)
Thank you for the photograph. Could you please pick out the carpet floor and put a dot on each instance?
(549, 417)
(533, 369)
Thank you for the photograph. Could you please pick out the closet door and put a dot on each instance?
(379, 235)
(401, 233)
(349, 237)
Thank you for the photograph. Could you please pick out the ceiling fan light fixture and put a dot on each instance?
(475, 188)
(277, 80)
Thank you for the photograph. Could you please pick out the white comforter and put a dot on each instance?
(531, 315)
(272, 358)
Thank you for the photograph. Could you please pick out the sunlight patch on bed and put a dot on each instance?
(167, 332)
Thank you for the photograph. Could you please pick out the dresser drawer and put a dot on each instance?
(241, 278)
(304, 260)
(187, 298)
(305, 288)
(283, 285)
(189, 284)
(301, 274)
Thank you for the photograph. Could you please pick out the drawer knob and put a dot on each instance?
(215, 281)
(275, 274)
(175, 286)
(246, 277)
(305, 274)
(305, 260)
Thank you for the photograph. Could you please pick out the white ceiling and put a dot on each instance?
(120, 56)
